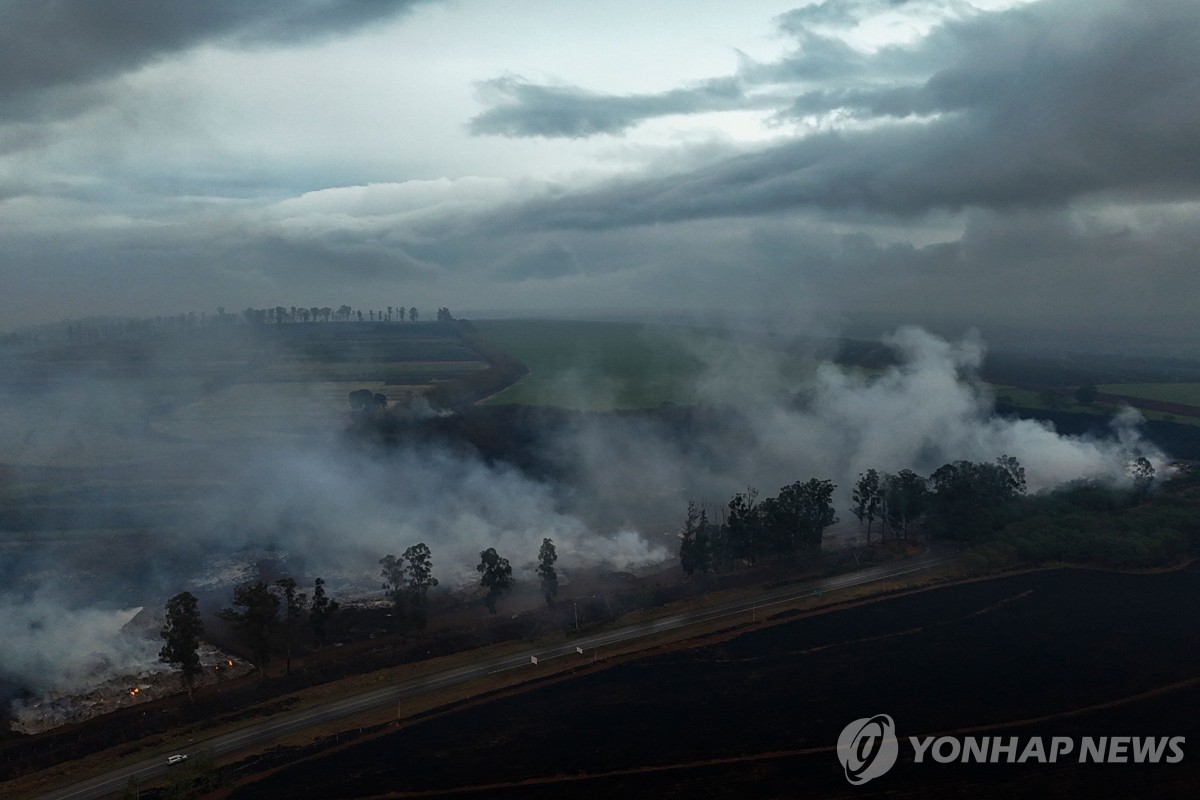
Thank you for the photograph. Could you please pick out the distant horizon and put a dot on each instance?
(1152, 337)
(1019, 165)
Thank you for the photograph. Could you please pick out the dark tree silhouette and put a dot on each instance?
(294, 604)
(322, 609)
(254, 616)
(418, 580)
(547, 555)
(904, 500)
(393, 574)
(968, 500)
(495, 575)
(695, 542)
(741, 534)
(796, 519)
(182, 633)
(866, 499)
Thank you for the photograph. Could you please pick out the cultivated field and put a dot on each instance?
(601, 366)
(121, 402)
(120, 437)
(1184, 393)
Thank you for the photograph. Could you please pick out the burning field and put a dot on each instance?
(55, 709)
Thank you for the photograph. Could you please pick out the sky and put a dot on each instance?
(1001, 162)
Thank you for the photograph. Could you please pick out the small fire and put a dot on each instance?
(230, 663)
(133, 692)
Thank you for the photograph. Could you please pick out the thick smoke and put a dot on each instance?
(329, 506)
(835, 422)
(341, 509)
(49, 645)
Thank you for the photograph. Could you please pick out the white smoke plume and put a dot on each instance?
(837, 422)
(50, 646)
(342, 509)
(334, 509)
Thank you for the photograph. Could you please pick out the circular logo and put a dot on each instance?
(868, 748)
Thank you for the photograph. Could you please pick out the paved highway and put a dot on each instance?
(282, 724)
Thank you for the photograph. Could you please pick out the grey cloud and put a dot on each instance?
(834, 12)
(1057, 269)
(816, 59)
(47, 47)
(541, 262)
(1041, 106)
(522, 108)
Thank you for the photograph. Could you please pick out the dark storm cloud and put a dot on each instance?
(1036, 106)
(521, 108)
(48, 46)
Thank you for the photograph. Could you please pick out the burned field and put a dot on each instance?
(1051, 653)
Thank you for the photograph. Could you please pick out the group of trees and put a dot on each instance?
(266, 617)
(288, 314)
(407, 581)
(1086, 521)
(495, 574)
(962, 500)
(793, 521)
(897, 501)
(92, 330)
(364, 403)
(408, 578)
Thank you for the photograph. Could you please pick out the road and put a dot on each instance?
(286, 723)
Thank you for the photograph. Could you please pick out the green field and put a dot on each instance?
(1168, 392)
(1184, 393)
(601, 366)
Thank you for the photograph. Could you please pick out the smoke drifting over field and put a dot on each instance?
(332, 506)
(917, 415)
(343, 510)
(766, 432)
(50, 645)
